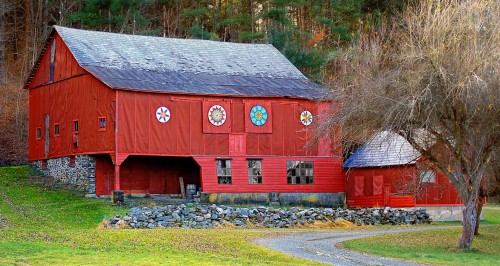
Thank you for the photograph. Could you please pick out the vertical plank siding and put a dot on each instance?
(189, 133)
(439, 193)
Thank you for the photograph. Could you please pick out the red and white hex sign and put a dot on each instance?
(217, 115)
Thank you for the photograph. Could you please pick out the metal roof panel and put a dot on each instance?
(187, 65)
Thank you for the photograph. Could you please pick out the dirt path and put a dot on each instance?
(322, 247)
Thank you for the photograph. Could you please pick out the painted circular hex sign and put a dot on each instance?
(306, 118)
(258, 115)
(163, 114)
(217, 115)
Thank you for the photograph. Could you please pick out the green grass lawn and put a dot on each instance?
(40, 225)
(438, 246)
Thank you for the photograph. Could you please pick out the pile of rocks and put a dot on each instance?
(201, 216)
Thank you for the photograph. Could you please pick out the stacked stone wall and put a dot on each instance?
(81, 175)
(203, 216)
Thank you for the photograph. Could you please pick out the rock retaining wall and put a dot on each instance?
(202, 216)
(81, 175)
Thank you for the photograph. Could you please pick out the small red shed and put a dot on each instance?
(387, 171)
(136, 113)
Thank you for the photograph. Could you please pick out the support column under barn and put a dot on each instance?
(116, 183)
(117, 194)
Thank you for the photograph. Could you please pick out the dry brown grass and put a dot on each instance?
(328, 225)
(103, 224)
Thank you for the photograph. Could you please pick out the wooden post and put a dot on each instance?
(117, 196)
(183, 189)
(116, 184)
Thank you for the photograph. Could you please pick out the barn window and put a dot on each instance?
(56, 129)
(52, 60)
(38, 133)
(224, 171)
(300, 172)
(255, 171)
(72, 160)
(75, 126)
(428, 177)
(102, 123)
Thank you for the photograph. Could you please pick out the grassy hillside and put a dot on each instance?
(41, 225)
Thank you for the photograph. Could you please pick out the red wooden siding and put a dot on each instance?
(328, 176)
(81, 98)
(104, 175)
(65, 65)
(373, 194)
(441, 192)
(140, 133)
(365, 201)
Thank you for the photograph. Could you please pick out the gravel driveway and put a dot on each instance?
(322, 246)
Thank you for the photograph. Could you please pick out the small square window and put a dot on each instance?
(102, 123)
(38, 133)
(72, 161)
(428, 177)
(56, 129)
(300, 172)
(223, 171)
(75, 126)
(254, 171)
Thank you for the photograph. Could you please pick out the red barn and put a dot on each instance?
(135, 113)
(387, 171)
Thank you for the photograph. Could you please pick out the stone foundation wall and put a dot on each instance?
(332, 199)
(81, 175)
(447, 213)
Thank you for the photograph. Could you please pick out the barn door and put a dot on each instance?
(387, 194)
(46, 135)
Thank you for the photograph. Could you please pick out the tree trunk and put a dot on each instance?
(480, 202)
(3, 59)
(468, 224)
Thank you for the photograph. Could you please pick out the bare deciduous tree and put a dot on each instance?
(431, 77)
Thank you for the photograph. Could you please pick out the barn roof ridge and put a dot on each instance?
(201, 66)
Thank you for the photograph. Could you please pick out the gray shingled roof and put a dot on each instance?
(383, 149)
(187, 65)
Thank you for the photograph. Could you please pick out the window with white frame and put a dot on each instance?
(428, 176)
(223, 171)
(254, 171)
